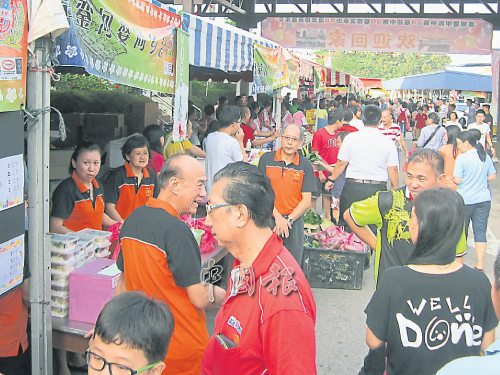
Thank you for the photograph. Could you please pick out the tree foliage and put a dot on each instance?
(383, 65)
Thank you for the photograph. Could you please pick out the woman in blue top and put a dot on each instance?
(473, 169)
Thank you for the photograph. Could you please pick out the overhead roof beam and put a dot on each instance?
(485, 3)
(449, 6)
(410, 6)
(372, 7)
(338, 10)
(300, 8)
(231, 6)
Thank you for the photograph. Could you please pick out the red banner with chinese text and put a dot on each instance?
(382, 34)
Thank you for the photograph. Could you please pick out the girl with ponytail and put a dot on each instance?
(473, 169)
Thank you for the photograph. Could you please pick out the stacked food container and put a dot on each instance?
(69, 252)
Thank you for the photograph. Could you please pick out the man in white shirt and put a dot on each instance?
(224, 146)
(371, 160)
(484, 128)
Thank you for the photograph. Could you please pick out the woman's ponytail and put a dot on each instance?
(481, 151)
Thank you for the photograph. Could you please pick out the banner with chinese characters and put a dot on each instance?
(181, 98)
(270, 69)
(13, 54)
(319, 78)
(128, 42)
(467, 36)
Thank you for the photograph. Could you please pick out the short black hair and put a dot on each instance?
(133, 142)
(469, 100)
(335, 115)
(348, 115)
(355, 108)
(441, 216)
(372, 115)
(140, 322)
(222, 99)
(209, 109)
(428, 156)
(453, 105)
(249, 186)
(481, 111)
(342, 135)
(434, 117)
(82, 146)
(486, 106)
(286, 105)
(153, 134)
(229, 115)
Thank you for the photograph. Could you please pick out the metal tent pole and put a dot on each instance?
(38, 97)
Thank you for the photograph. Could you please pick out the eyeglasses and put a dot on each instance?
(290, 139)
(211, 207)
(96, 362)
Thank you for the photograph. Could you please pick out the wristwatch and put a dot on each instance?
(290, 220)
(332, 181)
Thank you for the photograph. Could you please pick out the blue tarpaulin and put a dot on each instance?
(442, 80)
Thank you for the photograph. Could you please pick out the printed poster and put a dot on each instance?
(128, 42)
(11, 263)
(13, 54)
(270, 69)
(319, 79)
(181, 98)
(11, 181)
(417, 35)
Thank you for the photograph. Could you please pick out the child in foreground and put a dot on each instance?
(131, 336)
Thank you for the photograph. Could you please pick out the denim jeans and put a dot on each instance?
(478, 213)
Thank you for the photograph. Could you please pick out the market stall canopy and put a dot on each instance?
(46, 17)
(442, 80)
(372, 83)
(219, 46)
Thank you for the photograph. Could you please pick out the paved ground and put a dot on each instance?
(340, 326)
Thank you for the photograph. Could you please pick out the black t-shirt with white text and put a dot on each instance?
(429, 320)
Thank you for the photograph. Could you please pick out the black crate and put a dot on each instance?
(333, 269)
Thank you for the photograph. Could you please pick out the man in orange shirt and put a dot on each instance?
(161, 257)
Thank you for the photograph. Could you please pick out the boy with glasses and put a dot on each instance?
(131, 336)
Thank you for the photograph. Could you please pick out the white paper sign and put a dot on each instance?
(11, 181)
(11, 263)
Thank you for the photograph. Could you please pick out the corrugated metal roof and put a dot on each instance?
(442, 80)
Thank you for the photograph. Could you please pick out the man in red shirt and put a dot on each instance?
(250, 134)
(420, 121)
(266, 322)
(325, 143)
(392, 130)
(346, 125)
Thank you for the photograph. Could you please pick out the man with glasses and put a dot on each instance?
(160, 256)
(292, 178)
(266, 324)
(131, 336)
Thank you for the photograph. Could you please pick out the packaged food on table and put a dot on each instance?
(60, 312)
(101, 237)
(60, 301)
(90, 254)
(60, 290)
(59, 279)
(103, 255)
(102, 249)
(64, 242)
(63, 255)
(60, 267)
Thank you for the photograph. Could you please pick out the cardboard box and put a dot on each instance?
(59, 164)
(89, 291)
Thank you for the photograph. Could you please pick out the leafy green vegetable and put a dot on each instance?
(312, 218)
(312, 156)
(316, 244)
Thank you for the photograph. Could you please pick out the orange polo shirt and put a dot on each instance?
(288, 181)
(71, 201)
(161, 257)
(122, 188)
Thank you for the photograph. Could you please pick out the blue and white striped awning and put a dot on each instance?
(220, 46)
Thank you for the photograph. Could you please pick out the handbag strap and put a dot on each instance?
(432, 136)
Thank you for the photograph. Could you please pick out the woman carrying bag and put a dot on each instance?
(473, 169)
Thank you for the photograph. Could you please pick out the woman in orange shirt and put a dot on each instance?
(450, 152)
